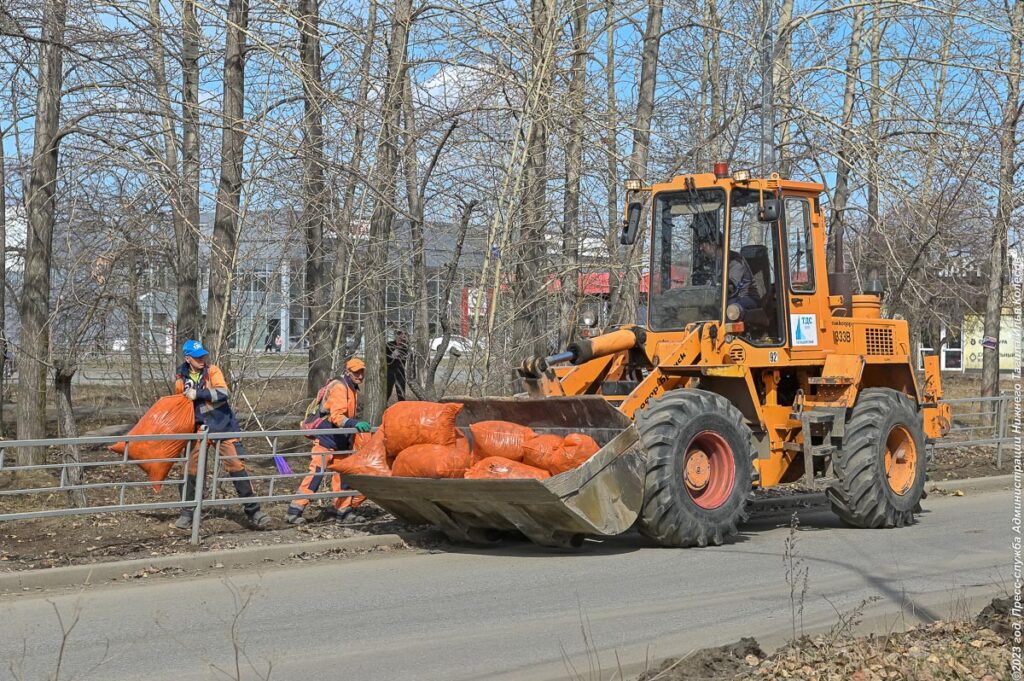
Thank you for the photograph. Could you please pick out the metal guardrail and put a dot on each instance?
(977, 421)
(127, 474)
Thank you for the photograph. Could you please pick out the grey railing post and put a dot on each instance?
(197, 512)
(1000, 429)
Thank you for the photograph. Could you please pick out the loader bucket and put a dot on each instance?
(600, 498)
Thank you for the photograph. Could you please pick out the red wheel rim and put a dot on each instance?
(709, 470)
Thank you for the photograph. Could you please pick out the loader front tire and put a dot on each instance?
(880, 468)
(699, 471)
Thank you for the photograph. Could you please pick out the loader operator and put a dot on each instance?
(204, 384)
(337, 402)
(740, 280)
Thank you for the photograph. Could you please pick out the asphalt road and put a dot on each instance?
(511, 612)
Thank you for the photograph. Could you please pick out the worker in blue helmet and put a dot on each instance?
(204, 384)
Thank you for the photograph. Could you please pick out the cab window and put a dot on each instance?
(799, 253)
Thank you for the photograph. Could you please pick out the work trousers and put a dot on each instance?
(318, 463)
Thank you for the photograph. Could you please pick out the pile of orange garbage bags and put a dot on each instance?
(420, 440)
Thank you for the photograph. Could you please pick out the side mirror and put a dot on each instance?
(629, 230)
(769, 212)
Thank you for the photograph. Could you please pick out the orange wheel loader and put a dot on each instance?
(755, 367)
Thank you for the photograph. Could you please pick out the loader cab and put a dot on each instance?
(713, 259)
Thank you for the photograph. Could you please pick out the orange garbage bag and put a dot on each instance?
(579, 448)
(500, 438)
(432, 461)
(498, 468)
(409, 423)
(369, 458)
(168, 415)
(557, 454)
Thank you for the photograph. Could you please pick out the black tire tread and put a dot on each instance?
(859, 496)
(666, 519)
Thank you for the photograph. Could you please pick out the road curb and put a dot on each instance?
(987, 484)
(81, 575)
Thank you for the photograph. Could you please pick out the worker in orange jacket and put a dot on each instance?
(338, 408)
(204, 384)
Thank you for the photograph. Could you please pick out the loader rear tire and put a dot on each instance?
(880, 469)
(699, 471)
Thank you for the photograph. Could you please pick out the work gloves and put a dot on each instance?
(191, 394)
(363, 427)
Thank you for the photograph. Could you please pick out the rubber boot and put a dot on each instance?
(295, 515)
(243, 488)
(184, 521)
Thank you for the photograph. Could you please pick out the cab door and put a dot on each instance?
(803, 251)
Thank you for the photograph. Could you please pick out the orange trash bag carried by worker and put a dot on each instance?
(433, 461)
(369, 458)
(411, 423)
(557, 454)
(500, 438)
(169, 415)
(498, 468)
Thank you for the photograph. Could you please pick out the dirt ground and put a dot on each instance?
(966, 649)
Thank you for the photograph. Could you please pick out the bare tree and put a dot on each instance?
(315, 198)
(3, 278)
(227, 219)
(35, 297)
(573, 171)
(845, 155)
(624, 304)
(1005, 202)
(384, 182)
(187, 240)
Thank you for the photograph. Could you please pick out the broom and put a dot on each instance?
(279, 461)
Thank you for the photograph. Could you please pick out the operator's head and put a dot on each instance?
(710, 244)
(356, 369)
(195, 354)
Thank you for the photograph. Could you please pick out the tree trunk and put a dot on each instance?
(420, 345)
(1008, 143)
(35, 297)
(226, 222)
(3, 281)
(782, 84)
(315, 201)
(530, 327)
(612, 155)
(844, 159)
(343, 230)
(874, 146)
(63, 371)
(384, 182)
(134, 318)
(570, 273)
(173, 184)
(624, 305)
(713, 80)
(187, 241)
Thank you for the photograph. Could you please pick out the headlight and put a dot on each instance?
(733, 312)
(634, 184)
(588, 319)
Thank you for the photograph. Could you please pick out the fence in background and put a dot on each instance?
(125, 492)
(976, 421)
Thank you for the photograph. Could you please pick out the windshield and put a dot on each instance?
(686, 257)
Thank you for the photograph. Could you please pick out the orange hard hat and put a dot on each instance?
(355, 364)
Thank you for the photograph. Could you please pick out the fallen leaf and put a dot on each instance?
(958, 493)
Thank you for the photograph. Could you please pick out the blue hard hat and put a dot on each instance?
(194, 348)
